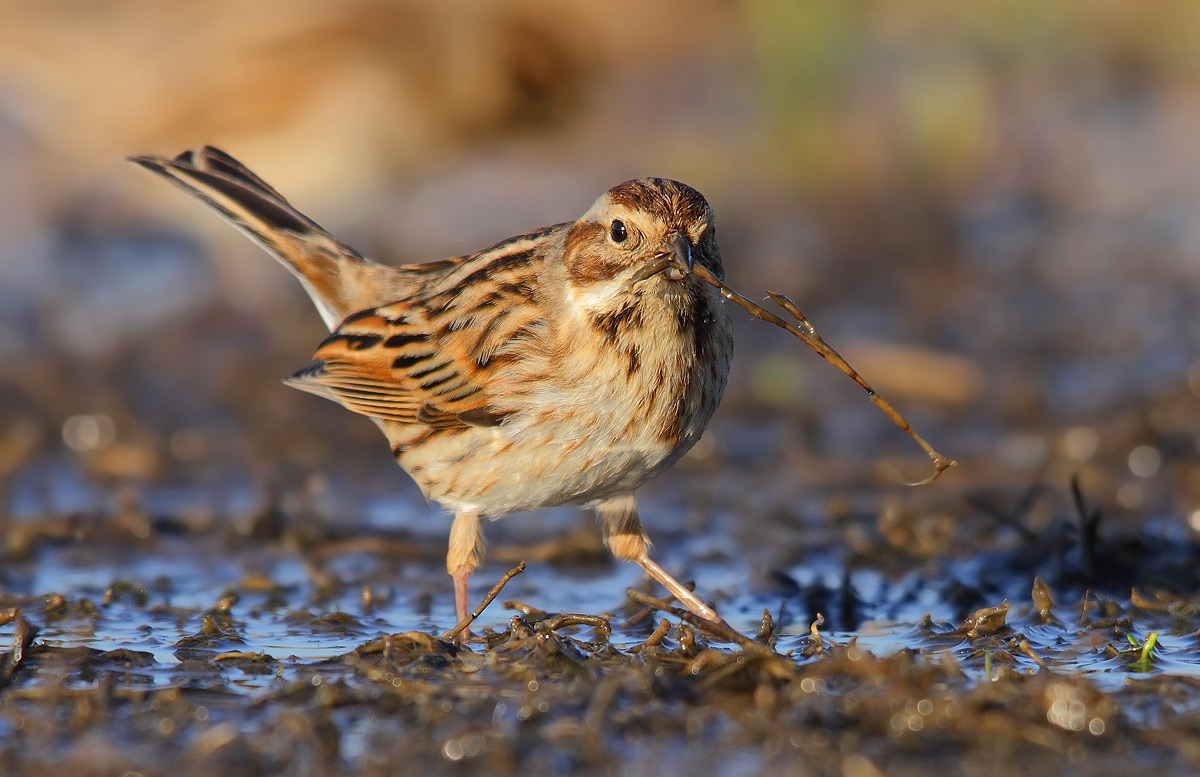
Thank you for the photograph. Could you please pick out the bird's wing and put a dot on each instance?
(427, 360)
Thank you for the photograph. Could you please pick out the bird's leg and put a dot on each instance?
(625, 537)
(464, 557)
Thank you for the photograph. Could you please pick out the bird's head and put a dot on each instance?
(640, 237)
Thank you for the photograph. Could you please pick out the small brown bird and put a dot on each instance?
(567, 365)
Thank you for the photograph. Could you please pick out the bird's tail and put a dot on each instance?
(332, 272)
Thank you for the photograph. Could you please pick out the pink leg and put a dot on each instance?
(464, 557)
(627, 540)
(460, 594)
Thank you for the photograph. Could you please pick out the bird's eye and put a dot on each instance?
(618, 231)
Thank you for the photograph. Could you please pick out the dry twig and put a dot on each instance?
(721, 630)
(808, 335)
(466, 622)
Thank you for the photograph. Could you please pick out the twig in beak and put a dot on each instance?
(661, 262)
(808, 334)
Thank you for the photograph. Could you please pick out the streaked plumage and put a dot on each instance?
(567, 365)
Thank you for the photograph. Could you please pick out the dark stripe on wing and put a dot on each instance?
(402, 339)
(497, 265)
(481, 416)
(533, 234)
(440, 381)
(463, 393)
(404, 362)
(354, 342)
(429, 370)
(491, 266)
(359, 316)
(308, 371)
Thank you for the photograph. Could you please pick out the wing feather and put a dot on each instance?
(428, 359)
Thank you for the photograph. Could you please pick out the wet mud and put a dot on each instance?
(971, 631)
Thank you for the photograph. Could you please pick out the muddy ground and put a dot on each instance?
(956, 629)
(989, 211)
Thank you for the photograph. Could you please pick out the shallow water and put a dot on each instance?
(290, 622)
(304, 606)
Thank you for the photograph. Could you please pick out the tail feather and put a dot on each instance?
(338, 278)
(216, 160)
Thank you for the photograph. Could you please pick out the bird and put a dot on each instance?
(567, 365)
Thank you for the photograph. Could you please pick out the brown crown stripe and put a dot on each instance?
(664, 196)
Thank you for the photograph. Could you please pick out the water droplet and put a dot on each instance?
(1144, 461)
(88, 432)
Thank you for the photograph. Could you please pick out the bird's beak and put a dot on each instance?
(681, 254)
(675, 263)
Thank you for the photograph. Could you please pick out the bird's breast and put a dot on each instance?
(619, 396)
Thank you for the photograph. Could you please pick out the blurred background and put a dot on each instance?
(989, 207)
